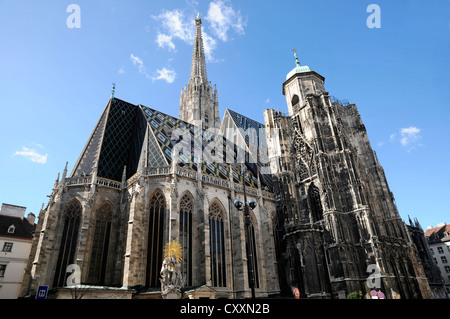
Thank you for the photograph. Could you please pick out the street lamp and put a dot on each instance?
(245, 207)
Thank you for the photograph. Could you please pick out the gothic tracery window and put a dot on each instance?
(186, 237)
(72, 217)
(217, 245)
(155, 239)
(99, 252)
(315, 203)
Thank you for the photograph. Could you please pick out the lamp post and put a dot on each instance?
(245, 206)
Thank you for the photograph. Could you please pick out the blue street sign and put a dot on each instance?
(42, 292)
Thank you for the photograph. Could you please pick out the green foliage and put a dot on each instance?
(355, 295)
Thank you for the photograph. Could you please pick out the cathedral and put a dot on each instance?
(323, 219)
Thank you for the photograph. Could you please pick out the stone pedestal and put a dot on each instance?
(173, 294)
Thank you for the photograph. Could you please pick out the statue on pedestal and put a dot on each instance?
(171, 278)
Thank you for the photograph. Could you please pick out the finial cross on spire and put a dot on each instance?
(297, 62)
(113, 90)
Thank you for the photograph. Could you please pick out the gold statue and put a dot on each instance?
(171, 278)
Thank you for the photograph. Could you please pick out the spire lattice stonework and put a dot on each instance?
(198, 67)
(199, 104)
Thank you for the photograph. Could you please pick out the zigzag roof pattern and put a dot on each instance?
(126, 134)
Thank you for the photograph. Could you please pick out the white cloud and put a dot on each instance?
(38, 145)
(209, 45)
(32, 155)
(222, 18)
(139, 62)
(121, 70)
(392, 137)
(409, 138)
(165, 40)
(165, 74)
(409, 135)
(176, 27)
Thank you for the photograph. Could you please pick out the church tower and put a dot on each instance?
(199, 104)
(337, 218)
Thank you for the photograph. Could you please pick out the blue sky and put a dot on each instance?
(55, 81)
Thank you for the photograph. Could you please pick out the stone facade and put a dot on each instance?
(133, 189)
(126, 261)
(339, 221)
(325, 220)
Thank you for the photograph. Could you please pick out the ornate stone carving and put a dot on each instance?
(171, 278)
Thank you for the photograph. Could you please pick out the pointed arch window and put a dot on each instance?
(315, 203)
(276, 233)
(295, 100)
(66, 256)
(217, 245)
(155, 239)
(99, 252)
(186, 237)
(295, 103)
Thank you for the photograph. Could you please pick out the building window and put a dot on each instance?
(7, 247)
(72, 217)
(99, 253)
(315, 203)
(186, 237)
(440, 250)
(432, 251)
(447, 269)
(444, 259)
(295, 101)
(206, 116)
(11, 229)
(155, 239)
(2, 271)
(217, 246)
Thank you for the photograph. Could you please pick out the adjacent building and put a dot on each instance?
(439, 240)
(16, 235)
(427, 259)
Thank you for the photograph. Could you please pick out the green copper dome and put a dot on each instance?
(298, 68)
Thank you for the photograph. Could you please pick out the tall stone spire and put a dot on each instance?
(198, 68)
(199, 103)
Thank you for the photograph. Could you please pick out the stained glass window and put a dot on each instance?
(217, 245)
(72, 217)
(99, 255)
(155, 239)
(186, 237)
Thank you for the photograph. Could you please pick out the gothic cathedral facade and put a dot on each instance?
(324, 212)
